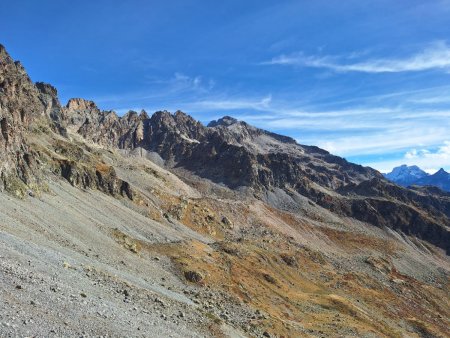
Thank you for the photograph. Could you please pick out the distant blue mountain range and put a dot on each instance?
(412, 175)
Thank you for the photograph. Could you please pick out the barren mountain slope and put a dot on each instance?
(243, 157)
(161, 226)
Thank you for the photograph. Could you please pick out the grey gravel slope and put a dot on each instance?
(63, 274)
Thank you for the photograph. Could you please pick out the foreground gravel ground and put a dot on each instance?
(62, 275)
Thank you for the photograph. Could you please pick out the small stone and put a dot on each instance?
(193, 276)
(227, 222)
(82, 294)
(269, 278)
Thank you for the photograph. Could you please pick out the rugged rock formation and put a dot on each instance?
(28, 109)
(20, 110)
(236, 154)
(228, 151)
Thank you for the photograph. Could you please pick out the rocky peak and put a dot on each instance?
(441, 172)
(79, 112)
(4, 56)
(81, 104)
(162, 116)
(177, 123)
(131, 115)
(49, 98)
(143, 115)
(47, 89)
(224, 121)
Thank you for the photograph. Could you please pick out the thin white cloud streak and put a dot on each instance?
(388, 141)
(163, 89)
(432, 100)
(411, 96)
(236, 104)
(376, 119)
(434, 56)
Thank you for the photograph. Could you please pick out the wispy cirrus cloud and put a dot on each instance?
(434, 56)
(182, 82)
(160, 89)
(262, 104)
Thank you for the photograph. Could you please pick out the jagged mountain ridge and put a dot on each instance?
(236, 154)
(212, 151)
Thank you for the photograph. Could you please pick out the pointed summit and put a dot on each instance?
(3, 53)
(440, 179)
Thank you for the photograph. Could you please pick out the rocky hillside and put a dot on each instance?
(222, 230)
(240, 156)
(227, 151)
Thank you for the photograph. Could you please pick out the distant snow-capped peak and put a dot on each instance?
(406, 173)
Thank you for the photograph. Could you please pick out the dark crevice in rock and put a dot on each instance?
(4, 129)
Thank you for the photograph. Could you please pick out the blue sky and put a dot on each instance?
(367, 80)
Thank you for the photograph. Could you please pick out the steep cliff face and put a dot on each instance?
(21, 109)
(32, 111)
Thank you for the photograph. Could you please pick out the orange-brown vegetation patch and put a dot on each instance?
(295, 298)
